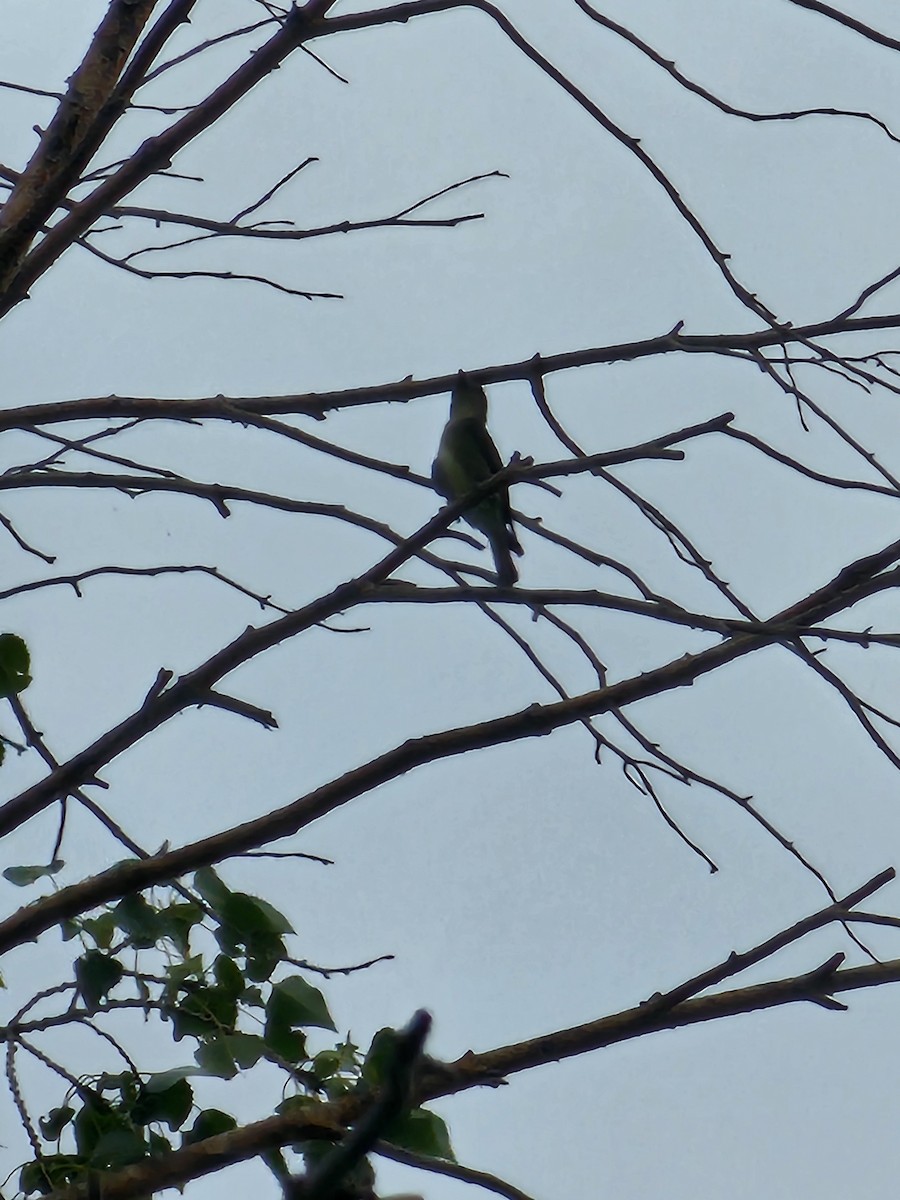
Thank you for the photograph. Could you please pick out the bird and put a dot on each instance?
(467, 457)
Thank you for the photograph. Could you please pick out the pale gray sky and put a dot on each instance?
(521, 889)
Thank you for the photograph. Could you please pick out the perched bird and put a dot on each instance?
(466, 457)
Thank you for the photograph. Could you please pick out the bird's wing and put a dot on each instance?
(480, 453)
(440, 476)
(463, 461)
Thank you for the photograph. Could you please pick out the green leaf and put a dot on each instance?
(171, 1105)
(96, 1118)
(264, 956)
(380, 1057)
(224, 1056)
(188, 968)
(247, 1048)
(248, 917)
(349, 1053)
(422, 1132)
(229, 976)
(210, 1122)
(252, 997)
(326, 1064)
(211, 888)
(139, 921)
(202, 1011)
(285, 1042)
(337, 1086)
(164, 1080)
(126, 1083)
(15, 663)
(55, 1122)
(158, 1145)
(102, 929)
(270, 919)
(176, 922)
(215, 1058)
(23, 876)
(51, 1172)
(295, 1106)
(294, 1002)
(96, 975)
(253, 927)
(118, 1148)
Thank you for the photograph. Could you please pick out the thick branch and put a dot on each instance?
(319, 404)
(534, 721)
(47, 178)
(157, 153)
(473, 1070)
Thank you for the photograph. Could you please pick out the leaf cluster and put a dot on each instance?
(223, 981)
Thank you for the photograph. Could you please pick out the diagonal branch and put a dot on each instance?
(842, 18)
(319, 404)
(68, 140)
(691, 86)
(158, 152)
(536, 720)
(437, 1079)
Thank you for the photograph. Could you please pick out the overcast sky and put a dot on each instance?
(521, 889)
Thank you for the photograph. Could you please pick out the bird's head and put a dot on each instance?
(468, 399)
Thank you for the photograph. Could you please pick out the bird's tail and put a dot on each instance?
(501, 547)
